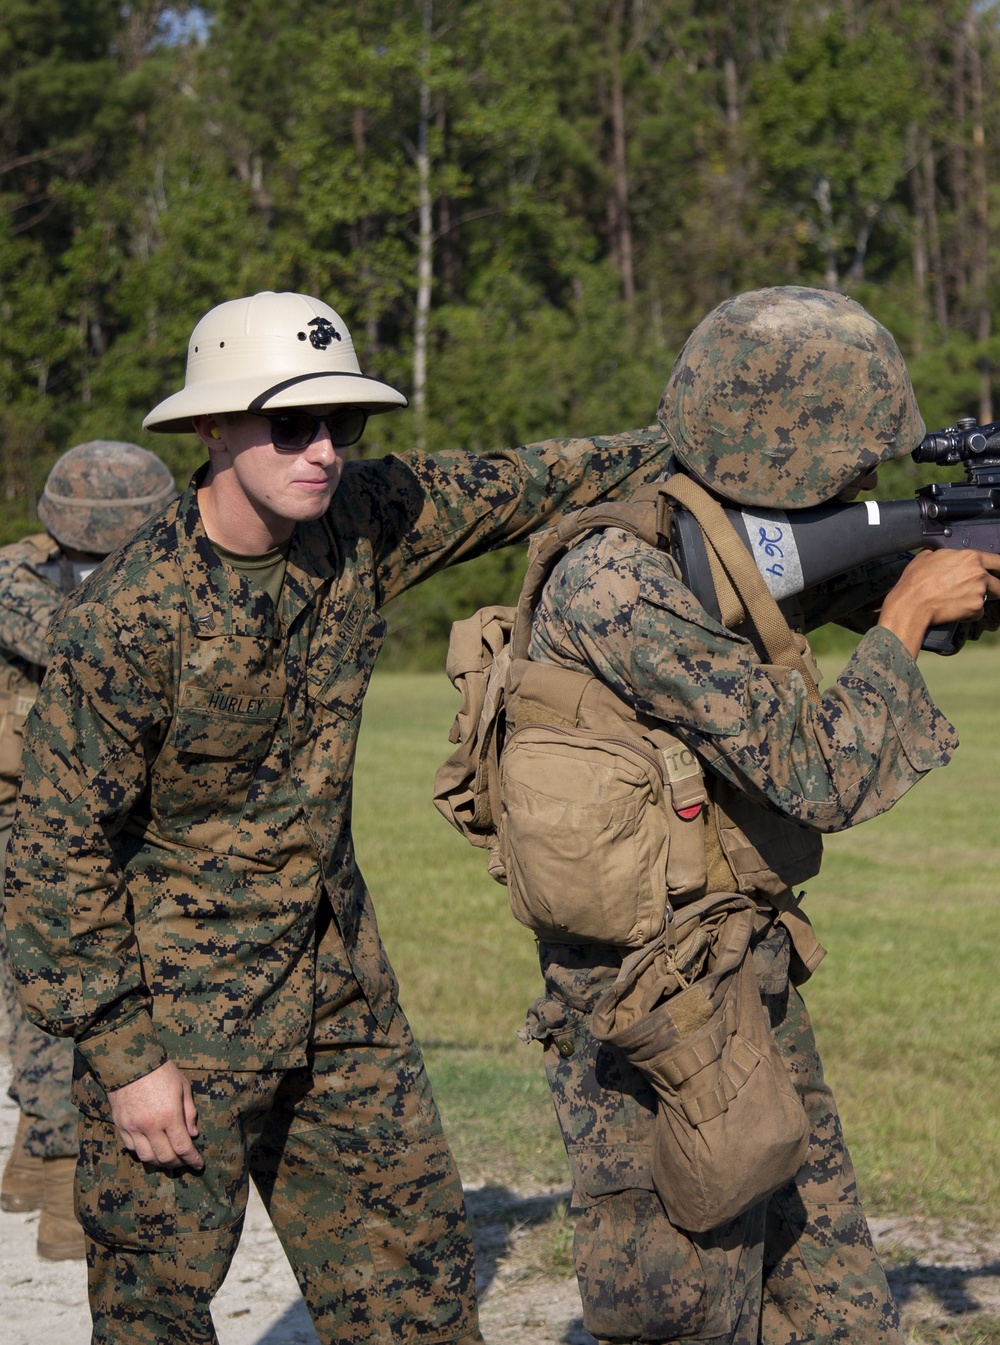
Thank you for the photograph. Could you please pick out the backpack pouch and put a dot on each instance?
(584, 837)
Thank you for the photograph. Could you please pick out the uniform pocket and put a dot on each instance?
(643, 1279)
(341, 669)
(122, 1202)
(229, 704)
(212, 754)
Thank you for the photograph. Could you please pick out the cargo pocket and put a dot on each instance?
(124, 1203)
(584, 837)
(604, 1107)
(643, 1279)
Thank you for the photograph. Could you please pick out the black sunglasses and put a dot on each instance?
(294, 430)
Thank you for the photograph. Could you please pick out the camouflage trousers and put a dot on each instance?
(799, 1267)
(41, 1066)
(357, 1177)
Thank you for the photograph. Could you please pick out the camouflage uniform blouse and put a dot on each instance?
(28, 602)
(188, 765)
(613, 606)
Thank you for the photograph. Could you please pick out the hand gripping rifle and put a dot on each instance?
(860, 543)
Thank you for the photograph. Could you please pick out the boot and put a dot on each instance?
(60, 1237)
(21, 1188)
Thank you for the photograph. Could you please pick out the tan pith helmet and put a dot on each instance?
(269, 352)
(99, 492)
(783, 396)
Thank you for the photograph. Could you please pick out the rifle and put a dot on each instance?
(856, 548)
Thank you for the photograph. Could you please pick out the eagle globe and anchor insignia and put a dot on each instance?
(323, 334)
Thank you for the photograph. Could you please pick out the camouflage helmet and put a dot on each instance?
(783, 396)
(99, 492)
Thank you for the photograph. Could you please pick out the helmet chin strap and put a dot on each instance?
(69, 574)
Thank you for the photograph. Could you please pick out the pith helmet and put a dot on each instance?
(267, 352)
(98, 493)
(782, 396)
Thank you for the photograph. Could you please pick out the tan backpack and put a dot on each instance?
(593, 815)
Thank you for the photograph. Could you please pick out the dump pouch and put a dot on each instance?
(584, 838)
(686, 1011)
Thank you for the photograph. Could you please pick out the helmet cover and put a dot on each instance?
(783, 396)
(99, 492)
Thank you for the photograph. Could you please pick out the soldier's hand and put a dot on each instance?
(938, 588)
(157, 1119)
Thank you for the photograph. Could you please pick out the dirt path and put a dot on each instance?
(947, 1280)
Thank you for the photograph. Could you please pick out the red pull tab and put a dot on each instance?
(689, 814)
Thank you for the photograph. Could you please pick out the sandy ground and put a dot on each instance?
(946, 1279)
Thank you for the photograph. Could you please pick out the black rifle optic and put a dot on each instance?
(801, 548)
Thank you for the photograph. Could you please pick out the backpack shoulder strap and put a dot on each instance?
(646, 514)
(737, 578)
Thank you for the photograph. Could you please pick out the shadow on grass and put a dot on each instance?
(294, 1327)
(502, 1223)
(498, 1215)
(949, 1286)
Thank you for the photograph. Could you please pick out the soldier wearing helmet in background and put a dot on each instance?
(95, 497)
(186, 804)
(781, 398)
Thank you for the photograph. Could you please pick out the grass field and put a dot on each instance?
(906, 1006)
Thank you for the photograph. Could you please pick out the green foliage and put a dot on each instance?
(599, 174)
(830, 118)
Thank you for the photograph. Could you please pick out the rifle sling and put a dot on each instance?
(646, 514)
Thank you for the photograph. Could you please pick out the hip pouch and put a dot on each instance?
(685, 1010)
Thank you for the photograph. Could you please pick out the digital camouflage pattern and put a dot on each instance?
(188, 772)
(41, 1071)
(95, 496)
(41, 1065)
(797, 1267)
(800, 1266)
(29, 600)
(358, 1180)
(782, 396)
(99, 492)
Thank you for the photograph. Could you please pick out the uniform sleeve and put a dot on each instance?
(615, 606)
(27, 608)
(432, 510)
(67, 909)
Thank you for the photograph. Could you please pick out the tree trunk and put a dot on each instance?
(919, 253)
(424, 254)
(979, 269)
(621, 225)
(939, 288)
(958, 171)
(828, 239)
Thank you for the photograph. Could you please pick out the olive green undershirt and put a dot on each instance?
(267, 571)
